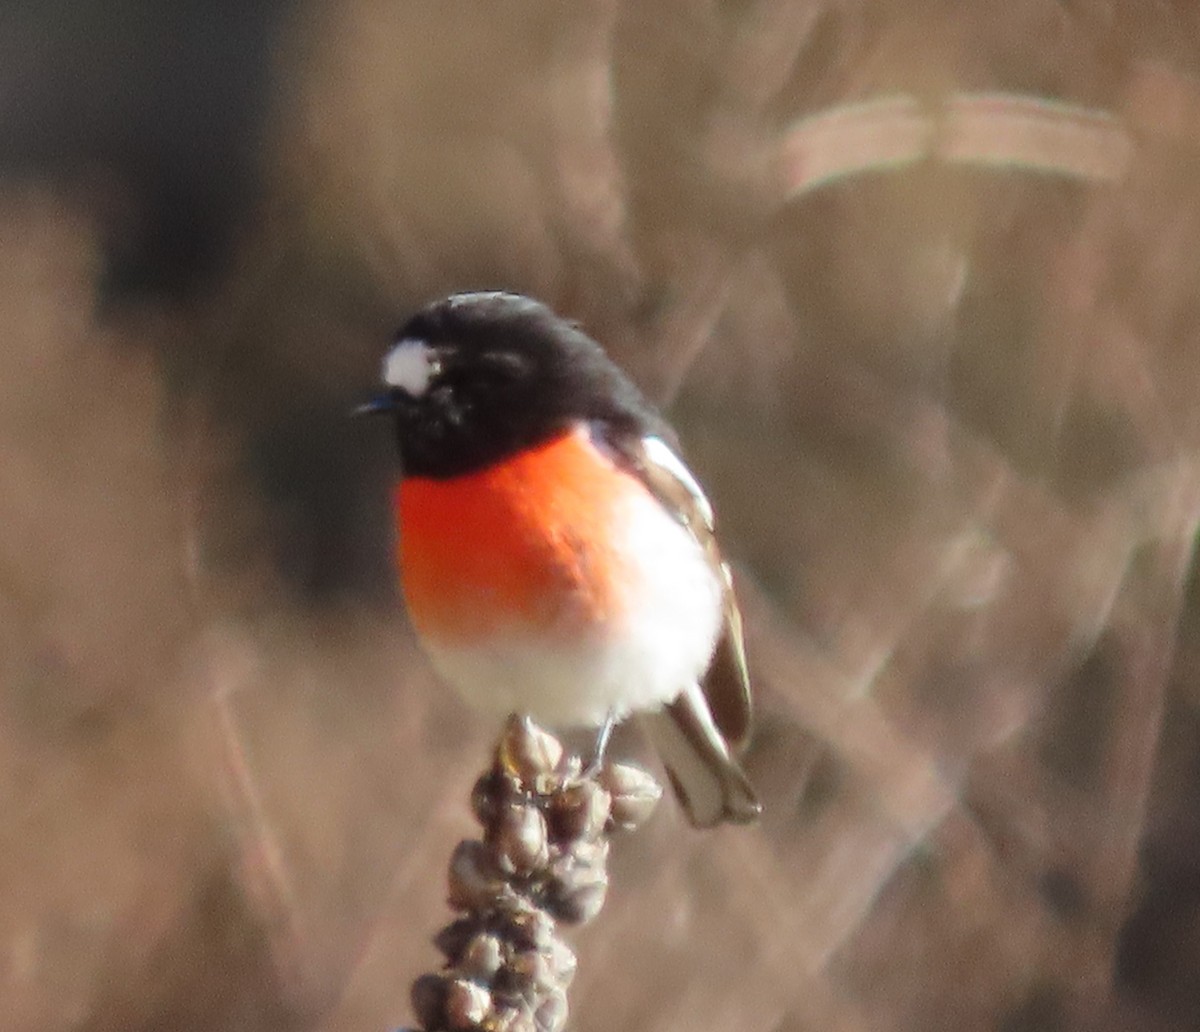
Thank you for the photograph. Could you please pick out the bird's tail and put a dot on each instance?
(710, 784)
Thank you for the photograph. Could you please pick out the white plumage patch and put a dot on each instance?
(661, 646)
(410, 366)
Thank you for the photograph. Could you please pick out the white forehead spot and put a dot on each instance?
(410, 365)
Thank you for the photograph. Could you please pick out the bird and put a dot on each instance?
(557, 557)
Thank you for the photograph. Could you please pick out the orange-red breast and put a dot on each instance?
(556, 555)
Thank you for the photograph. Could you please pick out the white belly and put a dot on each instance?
(661, 645)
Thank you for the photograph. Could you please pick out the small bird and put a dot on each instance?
(556, 555)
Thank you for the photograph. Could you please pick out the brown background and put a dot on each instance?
(945, 406)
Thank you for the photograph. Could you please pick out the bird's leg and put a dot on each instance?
(602, 737)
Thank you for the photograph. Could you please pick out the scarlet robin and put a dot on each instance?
(556, 555)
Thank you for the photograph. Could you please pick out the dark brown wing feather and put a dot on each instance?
(726, 685)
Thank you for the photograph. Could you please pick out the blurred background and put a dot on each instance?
(919, 283)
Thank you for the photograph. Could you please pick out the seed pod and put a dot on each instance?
(576, 895)
(527, 928)
(467, 1004)
(527, 752)
(454, 938)
(512, 1019)
(563, 962)
(591, 856)
(502, 1018)
(579, 811)
(482, 958)
(520, 840)
(551, 1013)
(474, 880)
(491, 792)
(635, 794)
(428, 998)
(579, 904)
(532, 973)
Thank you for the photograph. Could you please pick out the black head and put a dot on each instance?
(475, 378)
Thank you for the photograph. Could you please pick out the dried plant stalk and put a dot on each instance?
(541, 863)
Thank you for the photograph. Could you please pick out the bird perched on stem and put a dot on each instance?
(556, 555)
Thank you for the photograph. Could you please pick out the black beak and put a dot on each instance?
(383, 403)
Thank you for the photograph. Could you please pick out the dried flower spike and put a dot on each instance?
(542, 861)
